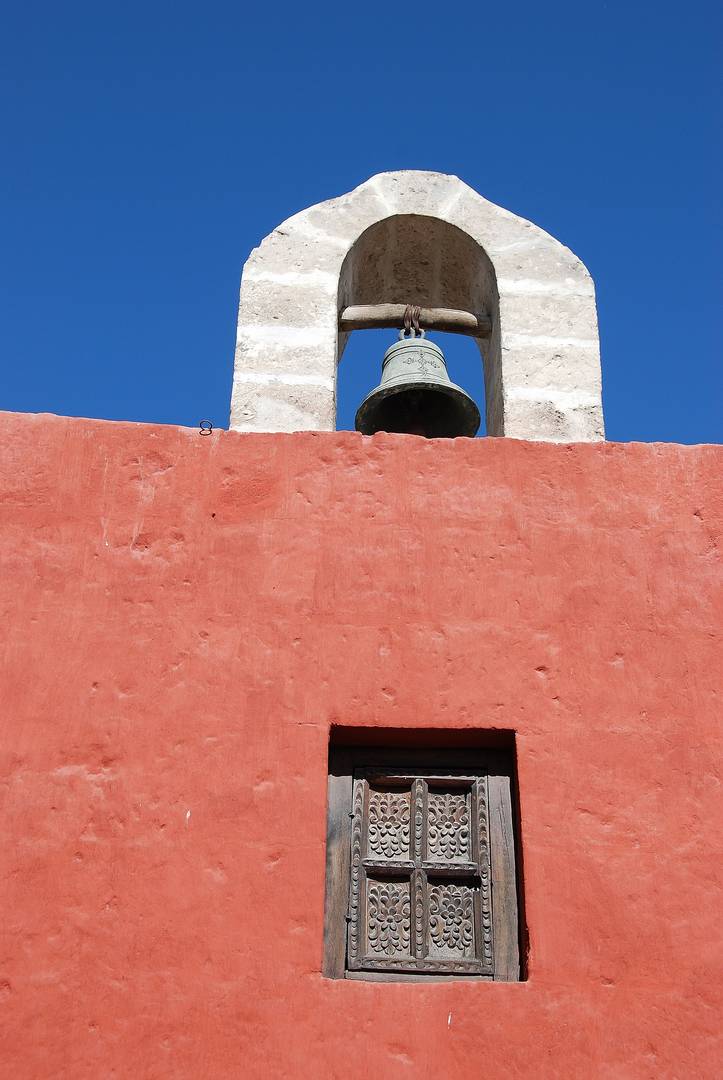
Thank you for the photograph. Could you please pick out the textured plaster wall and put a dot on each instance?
(185, 617)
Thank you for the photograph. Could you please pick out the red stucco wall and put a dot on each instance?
(183, 620)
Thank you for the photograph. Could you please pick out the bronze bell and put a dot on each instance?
(415, 395)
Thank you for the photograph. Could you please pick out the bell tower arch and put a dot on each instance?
(425, 239)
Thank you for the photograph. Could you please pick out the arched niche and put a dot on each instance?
(430, 233)
(413, 258)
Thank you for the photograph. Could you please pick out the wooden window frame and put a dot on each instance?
(488, 775)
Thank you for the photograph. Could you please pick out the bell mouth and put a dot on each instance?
(435, 412)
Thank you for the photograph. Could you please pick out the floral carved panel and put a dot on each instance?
(451, 920)
(448, 826)
(388, 824)
(389, 918)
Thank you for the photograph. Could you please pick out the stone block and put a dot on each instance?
(346, 217)
(546, 420)
(555, 365)
(279, 406)
(291, 249)
(291, 302)
(552, 314)
(540, 259)
(414, 192)
(491, 226)
(285, 351)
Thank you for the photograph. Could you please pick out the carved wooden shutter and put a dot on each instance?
(421, 869)
(420, 890)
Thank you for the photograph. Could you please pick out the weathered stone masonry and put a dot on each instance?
(428, 239)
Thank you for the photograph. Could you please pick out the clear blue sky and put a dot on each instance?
(147, 147)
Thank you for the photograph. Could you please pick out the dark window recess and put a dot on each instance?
(421, 876)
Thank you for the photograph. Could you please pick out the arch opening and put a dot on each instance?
(423, 260)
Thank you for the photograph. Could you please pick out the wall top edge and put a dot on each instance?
(10, 421)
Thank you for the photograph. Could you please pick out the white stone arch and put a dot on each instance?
(431, 234)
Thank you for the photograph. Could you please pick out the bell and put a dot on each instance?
(415, 395)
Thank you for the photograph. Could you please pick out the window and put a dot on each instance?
(421, 877)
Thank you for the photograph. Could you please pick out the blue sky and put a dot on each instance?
(147, 148)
